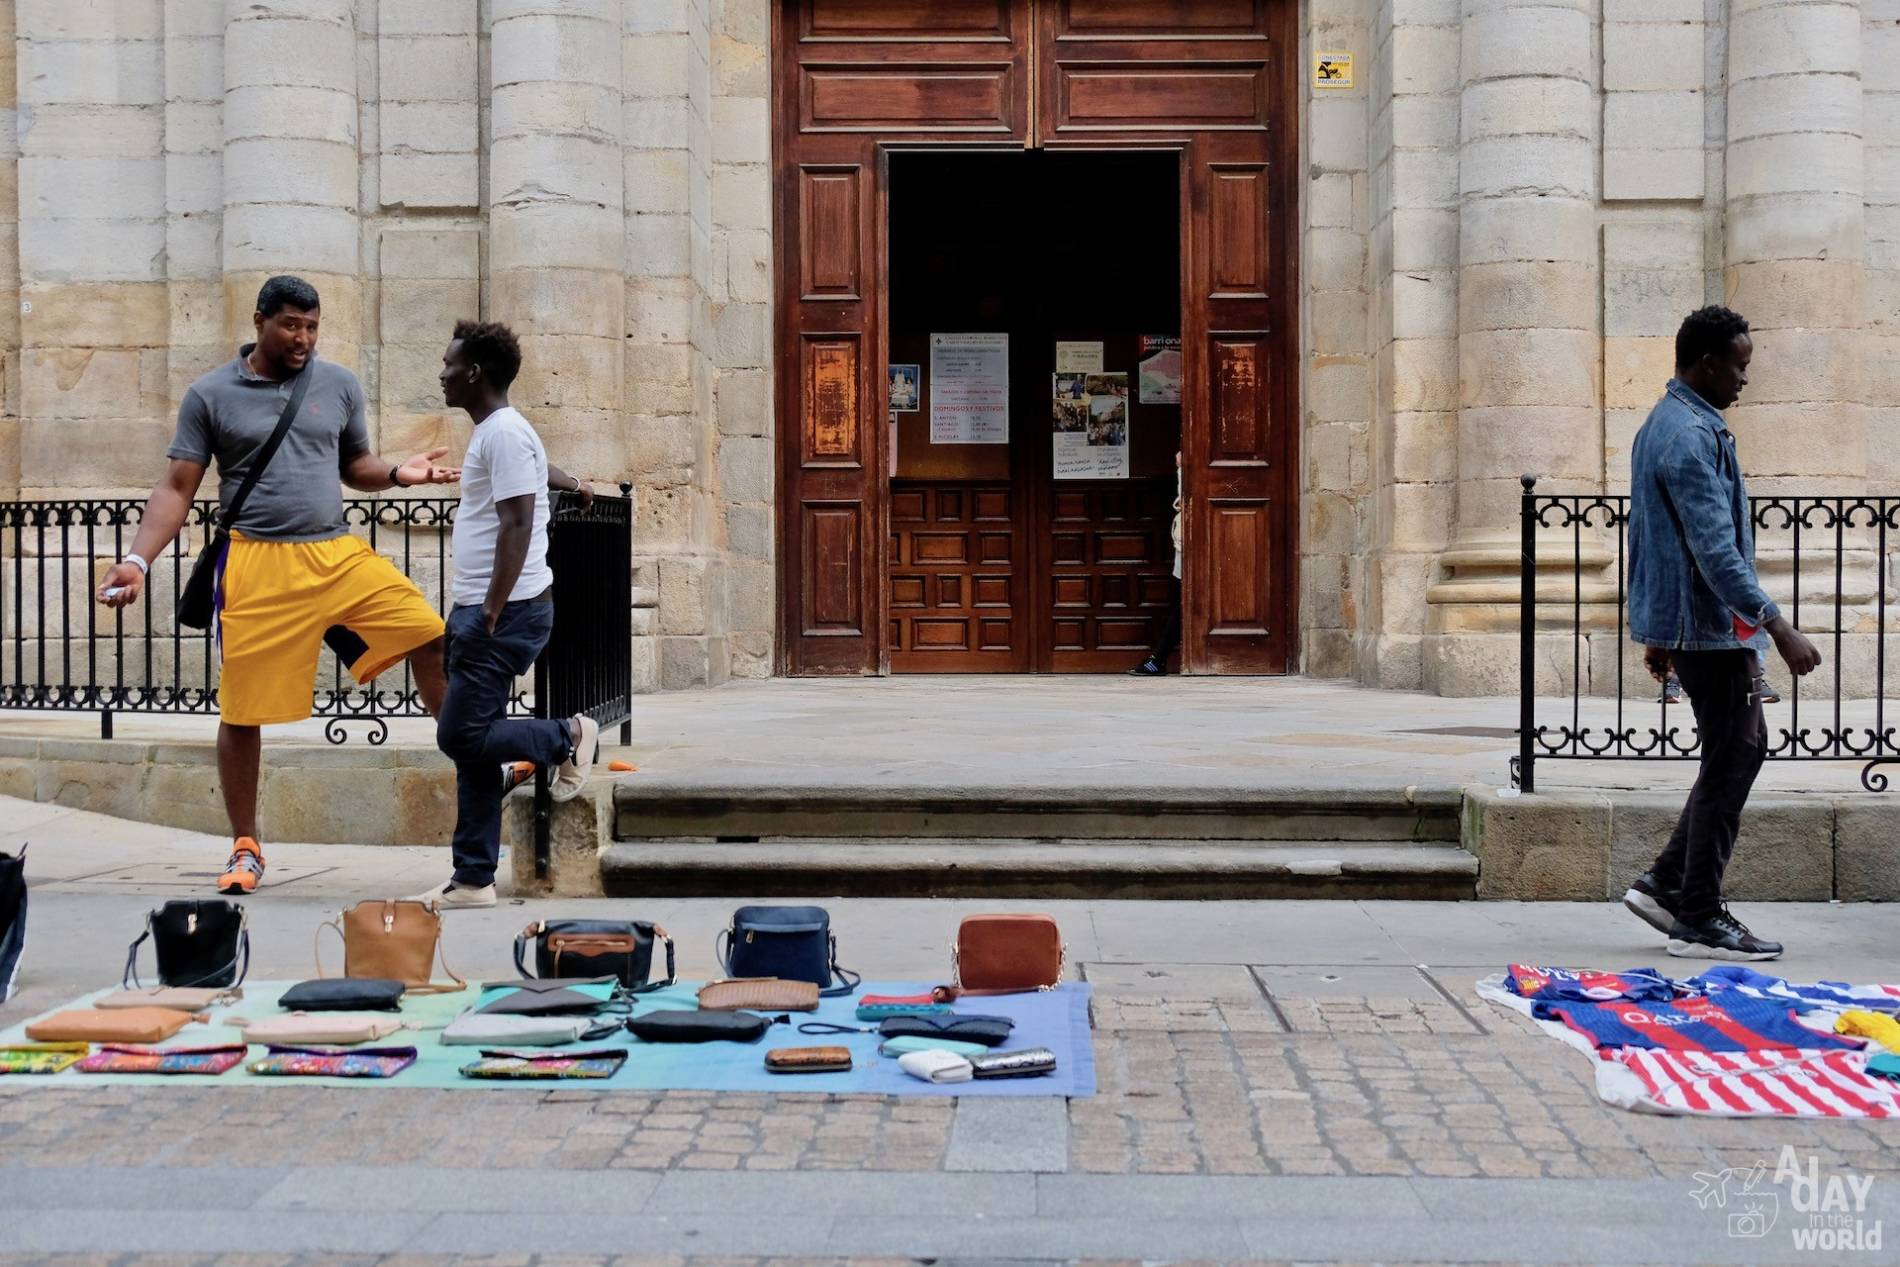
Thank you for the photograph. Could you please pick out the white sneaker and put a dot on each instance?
(571, 777)
(457, 897)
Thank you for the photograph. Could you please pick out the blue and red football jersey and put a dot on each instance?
(1586, 985)
(1734, 1023)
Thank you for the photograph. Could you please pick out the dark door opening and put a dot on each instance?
(1003, 558)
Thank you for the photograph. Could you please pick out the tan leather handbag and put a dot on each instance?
(331, 1029)
(758, 994)
(394, 939)
(1008, 954)
(113, 1025)
(177, 998)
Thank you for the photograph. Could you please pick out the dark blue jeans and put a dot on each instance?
(475, 732)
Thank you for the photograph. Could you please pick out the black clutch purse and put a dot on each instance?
(684, 1026)
(343, 994)
(991, 1031)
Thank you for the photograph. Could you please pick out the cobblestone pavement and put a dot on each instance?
(1332, 1086)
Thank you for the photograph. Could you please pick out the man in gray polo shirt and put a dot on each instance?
(293, 570)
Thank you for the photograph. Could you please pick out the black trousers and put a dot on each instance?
(1170, 627)
(1721, 690)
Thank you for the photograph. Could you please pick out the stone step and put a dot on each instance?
(648, 811)
(1040, 869)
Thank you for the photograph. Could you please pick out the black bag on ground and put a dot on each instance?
(197, 944)
(683, 1026)
(343, 994)
(792, 943)
(12, 918)
(585, 948)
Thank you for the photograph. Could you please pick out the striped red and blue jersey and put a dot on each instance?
(1734, 1023)
(1586, 985)
(1733, 978)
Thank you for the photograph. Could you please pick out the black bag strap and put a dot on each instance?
(671, 973)
(847, 979)
(299, 386)
(832, 1027)
(522, 939)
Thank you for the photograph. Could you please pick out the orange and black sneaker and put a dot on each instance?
(244, 870)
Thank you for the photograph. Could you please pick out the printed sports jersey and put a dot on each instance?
(1834, 995)
(1760, 1084)
(1586, 985)
(1737, 1023)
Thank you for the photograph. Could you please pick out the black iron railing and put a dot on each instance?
(1574, 627)
(61, 651)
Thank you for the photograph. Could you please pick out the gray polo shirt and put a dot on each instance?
(229, 414)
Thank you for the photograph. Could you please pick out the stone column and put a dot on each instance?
(1529, 342)
(1795, 268)
(291, 162)
(555, 193)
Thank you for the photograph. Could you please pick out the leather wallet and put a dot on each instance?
(669, 1025)
(936, 1066)
(115, 1025)
(991, 1031)
(758, 994)
(884, 1011)
(1025, 1063)
(808, 1059)
(344, 994)
(551, 996)
(177, 998)
(905, 1046)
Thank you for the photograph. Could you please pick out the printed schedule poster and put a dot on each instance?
(969, 389)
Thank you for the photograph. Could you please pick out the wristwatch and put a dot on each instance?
(394, 482)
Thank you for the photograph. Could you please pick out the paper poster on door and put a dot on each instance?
(1159, 372)
(1090, 426)
(1078, 358)
(969, 389)
(907, 390)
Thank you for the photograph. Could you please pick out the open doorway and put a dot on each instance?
(1032, 473)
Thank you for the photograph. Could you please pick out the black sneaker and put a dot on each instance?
(1720, 936)
(1765, 692)
(1147, 668)
(1650, 902)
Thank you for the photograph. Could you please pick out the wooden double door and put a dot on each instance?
(859, 84)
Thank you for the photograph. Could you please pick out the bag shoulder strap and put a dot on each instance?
(299, 385)
(437, 987)
(522, 939)
(671, 976)
(316, 944)
(130, 979)
(847, 980)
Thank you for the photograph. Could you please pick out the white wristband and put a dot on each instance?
(145, 569)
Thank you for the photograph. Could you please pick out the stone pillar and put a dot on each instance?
(9, 261)
(91, 248)
(1529, 342)
(1795, 268)
(290, 161)
(556, 220)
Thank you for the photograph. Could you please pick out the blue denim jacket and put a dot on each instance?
(1691, 535)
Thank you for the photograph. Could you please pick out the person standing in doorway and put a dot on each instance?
(294, 578)
(1157, 662)
(503, 612)
(1698, 608)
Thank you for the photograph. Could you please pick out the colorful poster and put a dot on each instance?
(907, 388)
(969, 389)
(1078, 358)
(1159, 372)
(1090, 426)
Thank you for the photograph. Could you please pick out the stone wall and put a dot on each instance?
(1504, 219)
(593, 172)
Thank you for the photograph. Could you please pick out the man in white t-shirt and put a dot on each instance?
(503, 610)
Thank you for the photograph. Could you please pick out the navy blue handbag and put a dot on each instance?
(793, 943)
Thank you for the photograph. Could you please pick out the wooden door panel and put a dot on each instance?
(1161, 98)
(1110, 557)
(1239, 253)
(898, 99)
(956, 579)
(830, 209)
(1158, 19)
(906, 19)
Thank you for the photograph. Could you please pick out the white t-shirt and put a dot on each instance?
(505, 459)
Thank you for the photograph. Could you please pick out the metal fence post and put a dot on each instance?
(543, 801)
(1527, 640)
(626, 723)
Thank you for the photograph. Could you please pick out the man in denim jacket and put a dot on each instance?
(1696, 605)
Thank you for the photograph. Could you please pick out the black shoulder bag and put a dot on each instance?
(198, 602)
(199, 943)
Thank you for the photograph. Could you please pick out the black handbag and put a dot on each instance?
(684, 1026)
(197, 601)
(343, 994)
(197, 944)
(12, 918)
(793, 943)
(589, 948)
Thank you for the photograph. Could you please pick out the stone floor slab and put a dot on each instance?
(1015, 1135)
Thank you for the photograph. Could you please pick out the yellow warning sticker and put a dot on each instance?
(1332, 70)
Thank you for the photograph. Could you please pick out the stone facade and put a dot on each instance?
(1504, 218)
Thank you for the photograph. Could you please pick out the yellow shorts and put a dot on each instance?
(279, 598)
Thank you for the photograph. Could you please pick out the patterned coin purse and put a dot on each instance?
(41, 1058)
(319, 1062)
(601, 1062)
(137, 1058)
